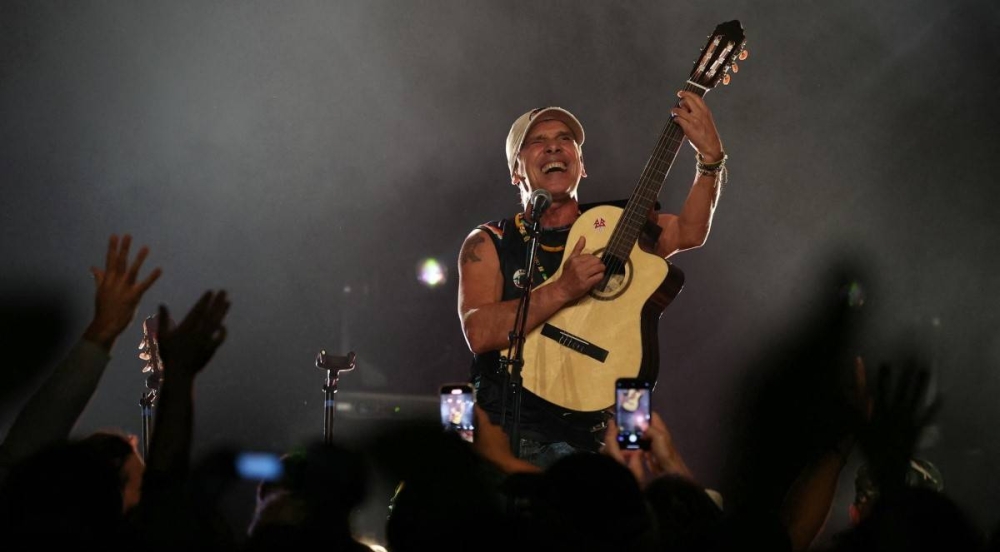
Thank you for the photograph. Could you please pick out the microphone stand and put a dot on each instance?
(513, 362)
(146, 406)
(333, 365)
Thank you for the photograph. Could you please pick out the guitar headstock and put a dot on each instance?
(725, 46)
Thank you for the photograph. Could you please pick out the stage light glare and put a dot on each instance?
(431, 273)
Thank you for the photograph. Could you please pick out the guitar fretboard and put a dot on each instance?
(651, 180)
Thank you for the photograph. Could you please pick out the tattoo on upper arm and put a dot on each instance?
(468, 254)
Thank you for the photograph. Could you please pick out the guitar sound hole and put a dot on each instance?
(617, 276)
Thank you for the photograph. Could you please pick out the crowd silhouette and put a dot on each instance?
(97, 492)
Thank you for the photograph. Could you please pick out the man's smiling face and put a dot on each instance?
(550, 159)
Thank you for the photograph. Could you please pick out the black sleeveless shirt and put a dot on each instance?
(541, 420)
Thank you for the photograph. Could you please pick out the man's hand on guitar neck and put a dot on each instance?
(695, 118)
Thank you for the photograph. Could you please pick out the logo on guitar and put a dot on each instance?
(599, 223)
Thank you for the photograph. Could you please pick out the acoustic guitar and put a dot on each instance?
(574, 358)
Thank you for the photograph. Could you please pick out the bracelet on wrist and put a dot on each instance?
(701, 159)
(716, 171)
(711, 169)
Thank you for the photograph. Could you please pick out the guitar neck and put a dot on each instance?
(651, 180)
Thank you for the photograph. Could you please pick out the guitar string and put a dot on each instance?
(625, 233)
(645, 192)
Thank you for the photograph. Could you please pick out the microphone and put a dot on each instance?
(337, 364)
(540, 201)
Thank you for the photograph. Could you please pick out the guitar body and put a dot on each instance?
(574, 358)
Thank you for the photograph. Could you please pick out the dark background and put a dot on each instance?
(288, 152)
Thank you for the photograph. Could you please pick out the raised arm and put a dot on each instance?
(689, 229)
(486, 320)
(172, 515)
(50, 414)
(807, 503)
(661, 458)
(900, 413)
(186, 350)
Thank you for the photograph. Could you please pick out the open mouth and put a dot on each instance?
(549, 168)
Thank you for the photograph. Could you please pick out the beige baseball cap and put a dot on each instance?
(520, 128)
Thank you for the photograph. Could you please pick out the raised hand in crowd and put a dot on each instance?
(492, 444)
(807, 503)
(185, 350)
(50, 414)
(905, 507)
(170, 498)
(687, 515)
(661, 458)
(118, 292)
(899, 414)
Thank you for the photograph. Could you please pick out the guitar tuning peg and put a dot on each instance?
(736, 68)
(726, 79)
(744, 55)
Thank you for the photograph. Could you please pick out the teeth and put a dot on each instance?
(553, 167)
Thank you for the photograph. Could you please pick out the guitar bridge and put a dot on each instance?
(579, 345)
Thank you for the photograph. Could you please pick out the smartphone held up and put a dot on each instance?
(632, 411)
(457, 402)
